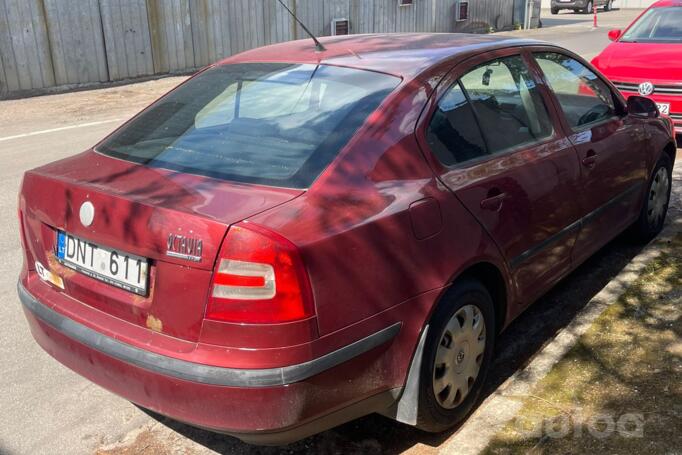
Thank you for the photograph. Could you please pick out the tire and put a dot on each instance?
(588, 8)
(455, 342)
(555, 10)
(607, 7)
(655, 206)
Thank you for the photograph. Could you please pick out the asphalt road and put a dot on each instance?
(47, 409)
(575, 31)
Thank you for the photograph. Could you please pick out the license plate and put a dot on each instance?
(117, 268)
(664, 108)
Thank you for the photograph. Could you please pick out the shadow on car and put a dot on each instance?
(516, 347)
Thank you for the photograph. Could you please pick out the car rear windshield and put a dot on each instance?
(657, 25)
(265, 123)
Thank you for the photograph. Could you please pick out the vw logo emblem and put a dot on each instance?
(87, 213)
(646, 88)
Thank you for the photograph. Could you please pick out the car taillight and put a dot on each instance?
(22, 234)
(259, 279)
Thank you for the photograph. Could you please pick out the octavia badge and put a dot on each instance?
(646, 88)
(183, 247)
(87, 213)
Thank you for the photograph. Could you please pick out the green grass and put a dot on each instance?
(619, 389)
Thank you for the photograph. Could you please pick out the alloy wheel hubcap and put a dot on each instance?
(459, 356)
(658, 197)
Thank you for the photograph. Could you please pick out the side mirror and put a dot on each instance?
(642, 107)
(615, 34)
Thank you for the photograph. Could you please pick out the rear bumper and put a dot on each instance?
(265, 406)
(196, 372)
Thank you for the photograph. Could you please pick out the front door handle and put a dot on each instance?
(493, 202)
(590, 159)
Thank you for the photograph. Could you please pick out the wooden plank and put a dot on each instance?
(406, 17)
(159, 51)
(365, 16)
(25, 48)
(222, 30)
(385, 12)
(9, 78)
(76, 42)
(200, 33)
(42, 40)
(127, 38)
(170, 35)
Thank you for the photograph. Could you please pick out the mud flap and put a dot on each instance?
(405, 410)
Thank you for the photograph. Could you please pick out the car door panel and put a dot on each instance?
(609, 145)
(532, 221)
(523, 196)
(613, 167)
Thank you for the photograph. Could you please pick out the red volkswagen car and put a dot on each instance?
(294, 238)
(646, 58)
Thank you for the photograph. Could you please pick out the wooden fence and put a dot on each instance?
(50, 43)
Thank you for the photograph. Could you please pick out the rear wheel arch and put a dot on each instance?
(671, 150)
(491, 277)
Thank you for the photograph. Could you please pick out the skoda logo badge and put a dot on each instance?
(646, 88)
(87, 213)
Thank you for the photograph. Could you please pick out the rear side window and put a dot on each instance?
(493, 108)
(271, 124)
(585, 99)
(453, 133)
(508, 104)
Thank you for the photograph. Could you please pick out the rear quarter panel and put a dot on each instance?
(355, 230)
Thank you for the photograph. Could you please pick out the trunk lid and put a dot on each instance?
(146, 212)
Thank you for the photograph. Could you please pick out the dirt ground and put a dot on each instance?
(21, 116)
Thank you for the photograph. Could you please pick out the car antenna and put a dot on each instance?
(318, 46)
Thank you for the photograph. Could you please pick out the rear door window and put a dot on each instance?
(493, 108)
(584, 98)
(453, 134)
(273, 124)
(507, 103)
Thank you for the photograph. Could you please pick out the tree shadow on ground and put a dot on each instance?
(617, 390)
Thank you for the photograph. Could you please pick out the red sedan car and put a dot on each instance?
(292, 239)
(646, 58)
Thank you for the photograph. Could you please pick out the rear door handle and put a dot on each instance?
(493, 203)
(590, 159)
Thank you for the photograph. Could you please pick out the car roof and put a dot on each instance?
(402, 54)
(664, 3)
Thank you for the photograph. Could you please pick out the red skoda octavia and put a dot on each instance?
(294, 238)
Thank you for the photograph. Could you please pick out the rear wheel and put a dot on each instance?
(655, 207)
(607, 7)
(457, 356)
(555, 10)
(588, 8)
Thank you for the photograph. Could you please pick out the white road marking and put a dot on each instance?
(63, 128)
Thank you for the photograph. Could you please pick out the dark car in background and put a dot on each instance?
(580, 6)
(295, 238)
